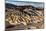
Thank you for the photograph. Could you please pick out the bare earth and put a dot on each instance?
(23, 18)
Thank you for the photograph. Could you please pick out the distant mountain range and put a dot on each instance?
(22, 3)
(8, 5)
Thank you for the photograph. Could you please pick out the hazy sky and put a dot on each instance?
(25, 3)
(28, 0)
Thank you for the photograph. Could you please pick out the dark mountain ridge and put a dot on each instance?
(8, 5)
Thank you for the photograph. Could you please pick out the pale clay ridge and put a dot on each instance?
(15, 16)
